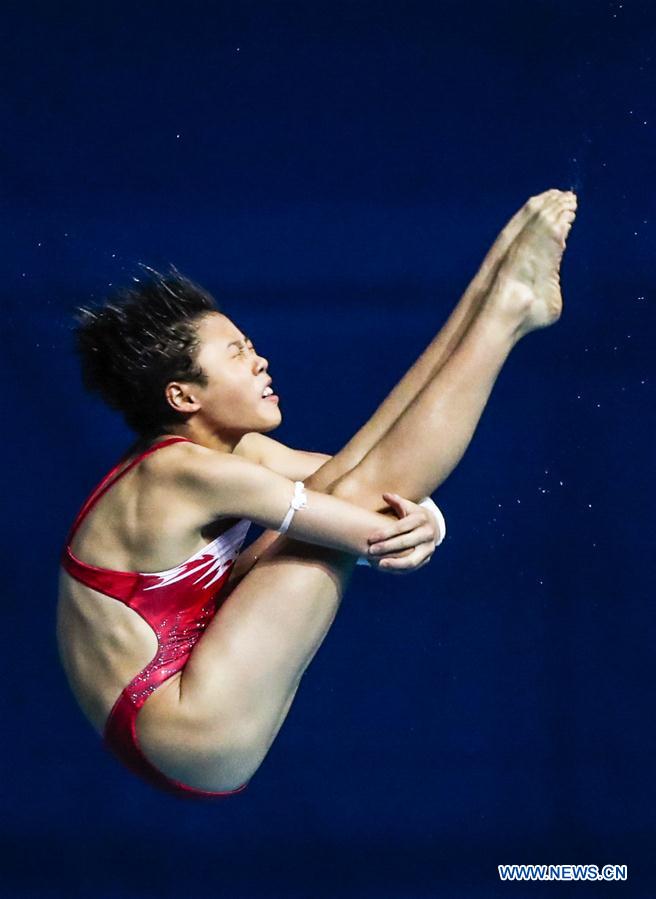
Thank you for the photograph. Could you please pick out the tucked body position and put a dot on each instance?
(184, 651)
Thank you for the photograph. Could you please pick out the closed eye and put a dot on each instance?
(243, 349)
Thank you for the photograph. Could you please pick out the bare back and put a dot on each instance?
(143, 523)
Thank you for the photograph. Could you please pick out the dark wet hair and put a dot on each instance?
(137, 341)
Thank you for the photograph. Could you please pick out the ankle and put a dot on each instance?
(501, 325)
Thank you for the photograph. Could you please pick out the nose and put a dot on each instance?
(261, 364)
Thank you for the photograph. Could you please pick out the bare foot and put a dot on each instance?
(512, 229)
(527, 286)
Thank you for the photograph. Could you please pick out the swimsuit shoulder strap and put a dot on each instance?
(111, 477)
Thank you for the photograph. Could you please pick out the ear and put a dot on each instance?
(180, 396)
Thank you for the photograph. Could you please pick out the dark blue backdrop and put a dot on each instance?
(334, 172)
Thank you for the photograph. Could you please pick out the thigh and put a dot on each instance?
(267, 631)
(240, 680)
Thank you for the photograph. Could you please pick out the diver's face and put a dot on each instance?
(237, 376)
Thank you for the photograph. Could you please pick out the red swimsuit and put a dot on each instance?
(178, 604)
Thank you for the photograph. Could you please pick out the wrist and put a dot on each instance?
(427, 503)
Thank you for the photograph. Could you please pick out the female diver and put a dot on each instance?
(188, 668)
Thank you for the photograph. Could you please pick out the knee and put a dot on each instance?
(346, 487)
(244, 753)
(355, 488)
(225, 758)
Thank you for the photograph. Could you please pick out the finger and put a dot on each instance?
(404, 569)
(400, 526)
(400, 505)
(397, 503)
(427, 548)
(416, 537)
(415, 566)
(407, 563)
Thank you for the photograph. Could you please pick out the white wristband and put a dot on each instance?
(298, 501)
(428, 503)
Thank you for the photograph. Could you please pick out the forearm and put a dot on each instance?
(257, 550)
(397, 547)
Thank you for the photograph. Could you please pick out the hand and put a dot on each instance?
(406, 544)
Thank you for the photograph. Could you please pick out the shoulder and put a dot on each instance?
(189, 475)
(259, 448)
(253, 447)
(190, 464)
(221, 484)
(176, 458)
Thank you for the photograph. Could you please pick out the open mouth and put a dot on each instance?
(268, 394)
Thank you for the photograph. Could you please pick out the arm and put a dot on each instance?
(297, 465)
(226, 485)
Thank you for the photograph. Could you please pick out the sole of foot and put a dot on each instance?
(527, 286)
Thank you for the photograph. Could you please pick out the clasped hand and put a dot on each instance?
(407, 543)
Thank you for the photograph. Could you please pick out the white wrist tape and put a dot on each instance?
(298, 501)
(428, 503)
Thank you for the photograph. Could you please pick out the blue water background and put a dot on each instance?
(334, 173)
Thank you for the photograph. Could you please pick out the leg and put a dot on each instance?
(440, 348)
(244, 672)
(423, 445)
(421, 372)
